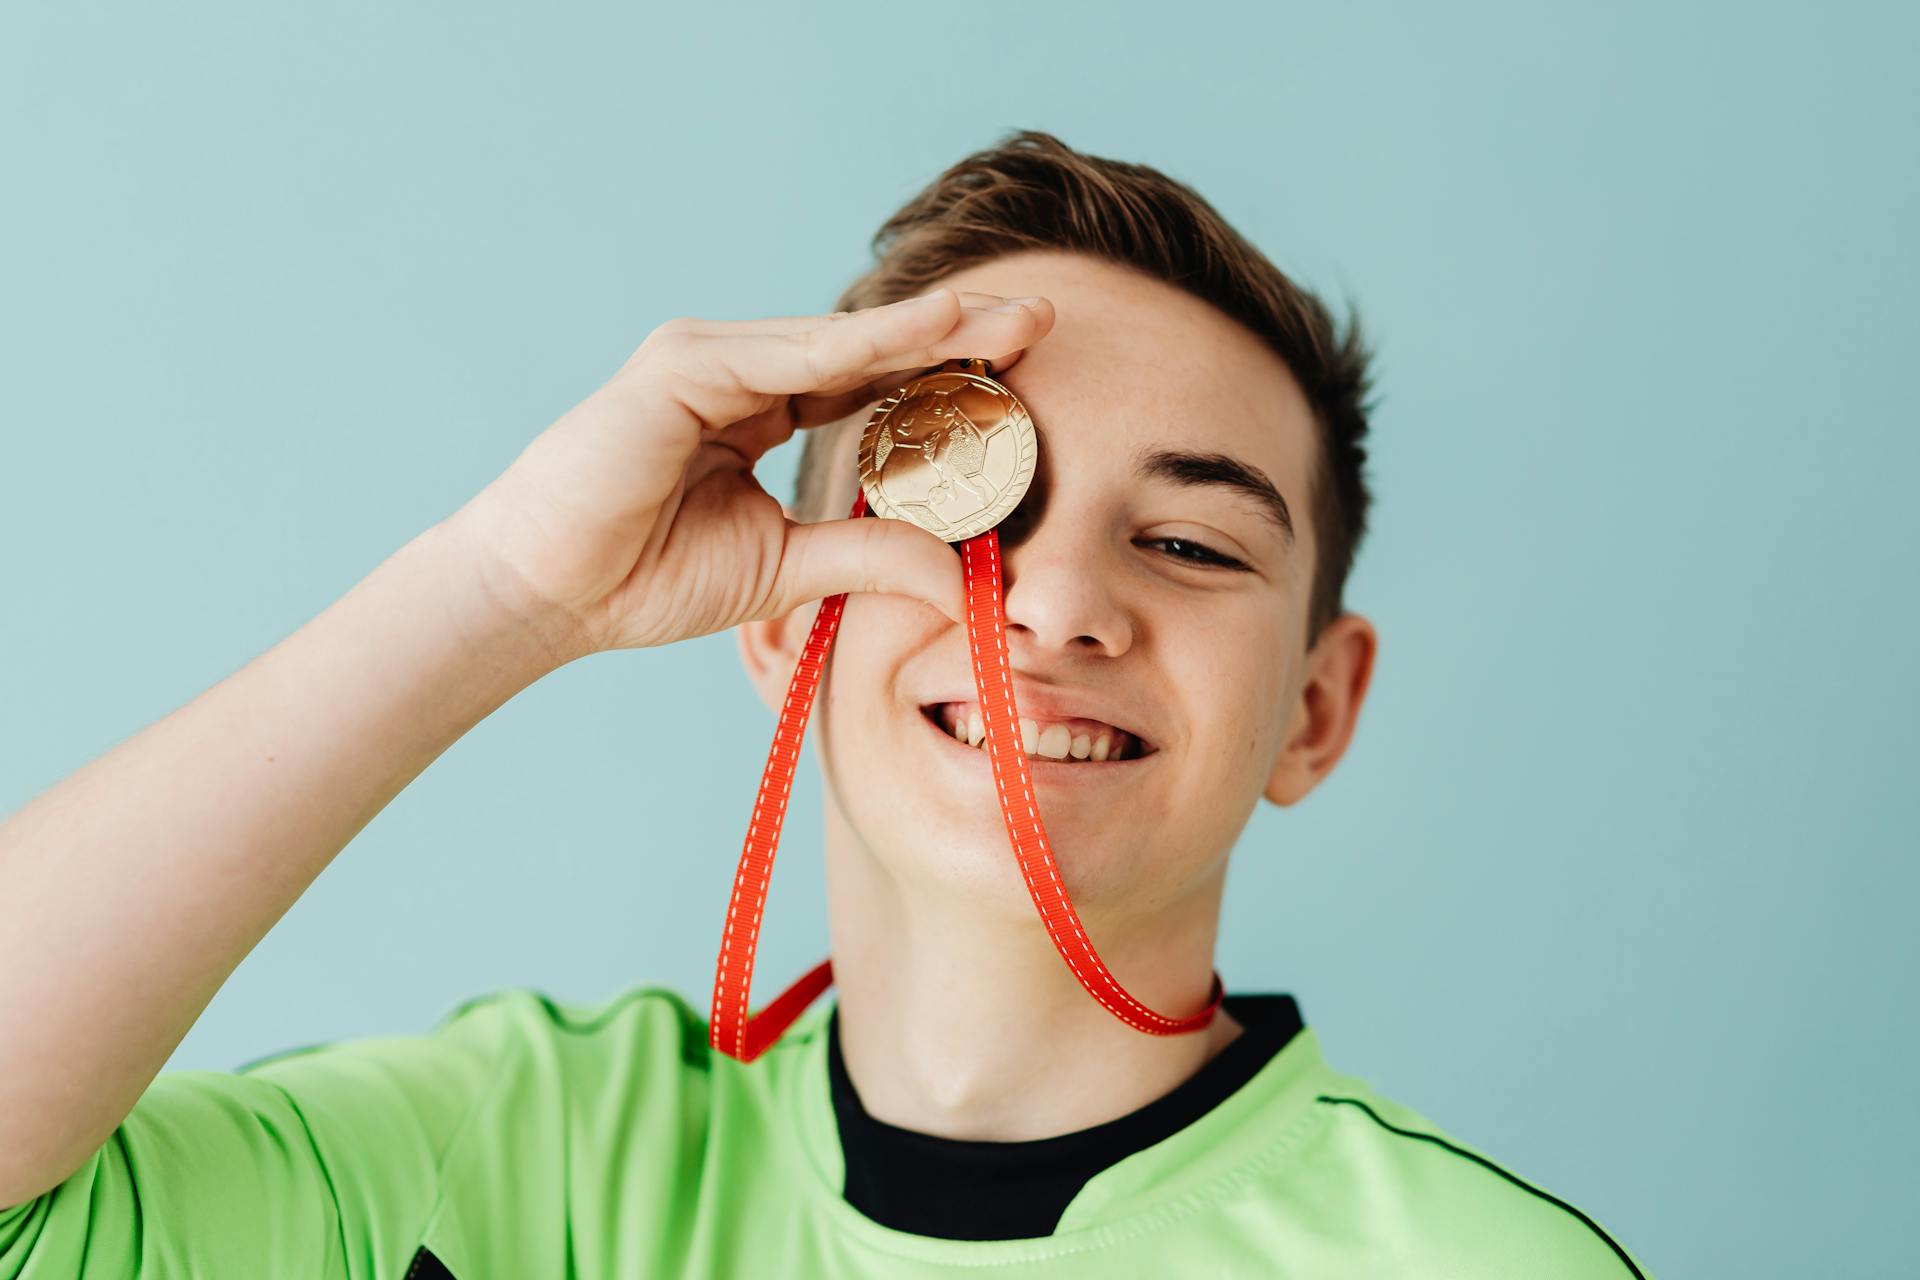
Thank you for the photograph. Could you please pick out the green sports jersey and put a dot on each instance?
(523, 1137)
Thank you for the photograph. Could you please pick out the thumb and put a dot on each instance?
(874, 553)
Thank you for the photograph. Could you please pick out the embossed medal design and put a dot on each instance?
(952, 451)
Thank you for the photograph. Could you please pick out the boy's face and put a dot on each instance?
(1108, 623)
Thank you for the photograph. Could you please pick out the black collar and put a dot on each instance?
(973, 1190)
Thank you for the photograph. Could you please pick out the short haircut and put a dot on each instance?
(1031, 191)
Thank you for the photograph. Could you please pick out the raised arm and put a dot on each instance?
(132, 889)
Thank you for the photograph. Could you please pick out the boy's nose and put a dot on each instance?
(1058, 592)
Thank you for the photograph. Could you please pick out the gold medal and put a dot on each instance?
(952, 451)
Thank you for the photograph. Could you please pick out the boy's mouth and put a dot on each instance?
(1071, 741)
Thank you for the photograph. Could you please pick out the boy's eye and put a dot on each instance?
(1195, 553)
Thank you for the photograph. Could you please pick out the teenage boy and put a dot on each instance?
(1177, 642)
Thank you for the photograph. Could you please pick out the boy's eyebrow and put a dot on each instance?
(1223, 470)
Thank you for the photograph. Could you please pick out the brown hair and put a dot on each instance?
(1033, 191)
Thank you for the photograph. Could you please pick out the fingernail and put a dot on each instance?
(1015, 304)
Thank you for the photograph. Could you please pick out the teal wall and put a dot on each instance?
(1617, 880)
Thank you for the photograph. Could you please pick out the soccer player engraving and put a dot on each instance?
(952, 451)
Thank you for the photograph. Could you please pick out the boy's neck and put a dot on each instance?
(971, 1028)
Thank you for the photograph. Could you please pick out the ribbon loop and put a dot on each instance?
(732, 1031)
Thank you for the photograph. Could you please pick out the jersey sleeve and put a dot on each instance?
(324, 1159)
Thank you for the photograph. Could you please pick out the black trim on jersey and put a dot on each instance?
(1486, 1163)
(427, 1267)
(957, 1189)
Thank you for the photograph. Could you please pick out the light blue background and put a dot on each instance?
(1617, 880)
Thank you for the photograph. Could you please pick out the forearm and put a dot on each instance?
(134, 888)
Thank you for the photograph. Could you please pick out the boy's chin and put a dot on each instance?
(981, 870)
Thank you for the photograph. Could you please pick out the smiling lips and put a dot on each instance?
(1074, 740)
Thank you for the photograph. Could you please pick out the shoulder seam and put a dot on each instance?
(1488, 1164)
(559, 1011)
(320, 1161)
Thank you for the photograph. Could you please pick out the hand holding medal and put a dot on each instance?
(953, 452)
(635, 518)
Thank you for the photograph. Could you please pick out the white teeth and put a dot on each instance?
(1048, 741)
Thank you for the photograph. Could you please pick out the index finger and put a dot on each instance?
(724, 373)
(811, 409)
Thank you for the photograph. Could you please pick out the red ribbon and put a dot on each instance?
(739, 1036)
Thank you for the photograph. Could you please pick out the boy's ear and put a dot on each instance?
(770, 648)
(1338, 672)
